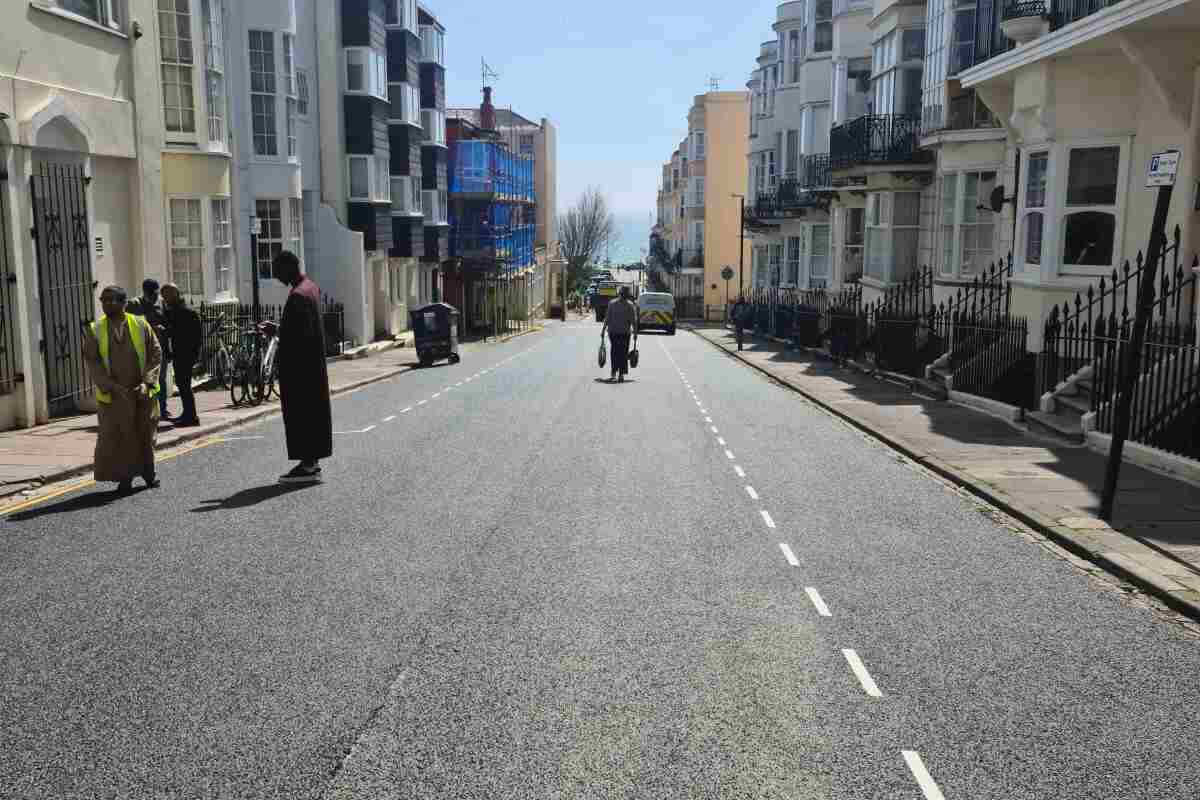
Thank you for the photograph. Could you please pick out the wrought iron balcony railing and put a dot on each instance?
(1017, 9)
(878, 139)
(791, 196)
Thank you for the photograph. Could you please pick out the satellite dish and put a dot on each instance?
(996, 201)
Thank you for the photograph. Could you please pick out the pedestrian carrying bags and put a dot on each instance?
(603, 356)
(633, 354)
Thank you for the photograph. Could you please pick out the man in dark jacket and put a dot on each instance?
(149, 307)
(303, 376)
(185, 334)
(620, 320)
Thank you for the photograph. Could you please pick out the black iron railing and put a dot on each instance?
(815, 172)
(1166, 394)
(877, 139)
(1068, 11)
(9, 369)
(226, 324)
(1069, 335)
(991, 359)
(1023, 8)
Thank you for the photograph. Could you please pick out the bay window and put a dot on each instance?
(792, 170)
(176, 61)
(1034, 215)
(222, 235)
(818, 261)
(212, 13)
(369, 181)
(402, 14)
(793, 261)
(187, 247)
(366, 72)
(967, 230)
(893, 229)
(823, 26)
(794, 56)
(1090, 216)
(853, 239)
(262, 93)
(432, 44)
(404, 102)
(270, 235)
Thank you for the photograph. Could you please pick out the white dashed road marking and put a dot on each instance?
(436, 396)
(789, 555)
(406, 410)
(423, 402)
(924, 779)
(729, 455)
(767, 519)
(815, 596)
(860, 672)
(720, 441)
(389, 419)
(750, 491)
(741, 473)
(714, 429)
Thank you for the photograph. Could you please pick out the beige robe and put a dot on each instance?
(129, 424)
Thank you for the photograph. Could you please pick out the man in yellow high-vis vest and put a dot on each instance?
(123, 356)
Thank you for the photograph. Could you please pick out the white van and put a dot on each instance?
(656, 311)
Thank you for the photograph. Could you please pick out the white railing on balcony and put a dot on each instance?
(433, 44)
(434, 202)
(434, 124)
(406, 196)
(404, 103)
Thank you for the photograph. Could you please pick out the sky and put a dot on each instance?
(616, 77)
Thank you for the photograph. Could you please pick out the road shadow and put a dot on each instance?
(81, 502)
(250, 497)
(611, 382)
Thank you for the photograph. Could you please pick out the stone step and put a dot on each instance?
(1061, 425)
(934, 388)
(1079, 403)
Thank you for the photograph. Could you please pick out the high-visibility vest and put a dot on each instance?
(100, 331)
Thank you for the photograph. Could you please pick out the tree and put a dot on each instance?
(584, 230)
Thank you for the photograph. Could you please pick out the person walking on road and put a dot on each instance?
(303, 376)
(620, 321)
(123, 357)
(148, 306)
(184, 331)
(738, 314)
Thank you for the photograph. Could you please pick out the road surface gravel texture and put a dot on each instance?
(520, 581)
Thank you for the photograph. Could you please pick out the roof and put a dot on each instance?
(505, 118)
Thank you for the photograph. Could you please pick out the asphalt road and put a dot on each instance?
(519, 581)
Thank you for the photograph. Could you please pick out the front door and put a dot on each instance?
(60, 229)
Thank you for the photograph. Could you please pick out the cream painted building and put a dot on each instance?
(70, 172)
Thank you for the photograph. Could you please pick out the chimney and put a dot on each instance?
(487, 112)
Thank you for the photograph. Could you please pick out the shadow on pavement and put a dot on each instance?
(611, 382)
(251, 497)
(82, 502)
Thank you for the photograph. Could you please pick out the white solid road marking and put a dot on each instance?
(767, 519)
(860, 672)
(815, 596)
(789, 555)
(729, 455)
(720, 441)
(741, 473)
(924, 779)
(389, 419)
(750, 491)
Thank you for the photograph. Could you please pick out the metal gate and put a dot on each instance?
(60, 230)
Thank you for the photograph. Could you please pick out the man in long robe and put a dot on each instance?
(123, 357)
(303, 377)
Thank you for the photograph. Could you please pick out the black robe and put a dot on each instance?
(303, 377)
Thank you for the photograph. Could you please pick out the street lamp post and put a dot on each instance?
(741, 241)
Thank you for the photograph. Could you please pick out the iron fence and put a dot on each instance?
(9, 369)
(1068, 11)
(878, 139)
(991, 359)
(1069, 340)
(1165, 406)
(225, 325)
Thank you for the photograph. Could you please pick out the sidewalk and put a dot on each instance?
(64, 448)
(1154, 541)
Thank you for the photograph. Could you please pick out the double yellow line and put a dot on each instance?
(83, 484)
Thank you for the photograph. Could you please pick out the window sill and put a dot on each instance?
(40, 5)
(875, 283)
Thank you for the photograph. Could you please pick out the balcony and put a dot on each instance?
(1025, 20)
(433, 122)
(406, 196)
(434, 203)
(878, 139)
(841, 7)
(792, 197)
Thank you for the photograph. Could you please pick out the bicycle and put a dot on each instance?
(256, 365)
(219, 361)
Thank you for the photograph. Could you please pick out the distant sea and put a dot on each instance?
(632, 234)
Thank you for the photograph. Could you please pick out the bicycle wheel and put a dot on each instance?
(255, 384)
(239, 390)
(219, 368)
(271, 369)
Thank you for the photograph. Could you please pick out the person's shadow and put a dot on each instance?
(250, 497)
(81, 502)
(611, 382)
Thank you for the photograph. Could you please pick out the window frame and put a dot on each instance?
(265, 242)
(303, 96)
(111, 15)
(403, 21)
(951, 253)
(213, 74)
(197, 249)
(179, 68)
(793, 255)
(222, 289)
(1116, 209)
(269, 96)
(815, 280)
(374, 66)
